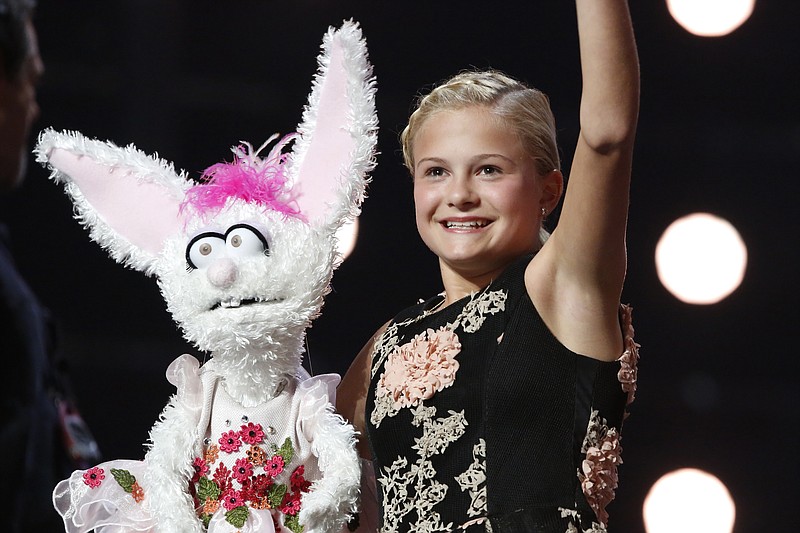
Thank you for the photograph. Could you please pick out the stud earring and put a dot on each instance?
(544, 212)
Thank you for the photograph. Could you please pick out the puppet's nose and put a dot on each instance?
(222, 273)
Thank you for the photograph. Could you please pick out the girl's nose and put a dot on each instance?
(460, 193)
(222, 273)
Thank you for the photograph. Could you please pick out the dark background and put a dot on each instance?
(719, 132)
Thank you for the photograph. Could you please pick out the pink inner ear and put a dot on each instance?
(332, 145)
(143, 213)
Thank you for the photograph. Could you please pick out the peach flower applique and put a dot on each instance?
(598, 475)
(418, 369)
(629, 360)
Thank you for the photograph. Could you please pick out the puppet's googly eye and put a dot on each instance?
(243, 240)
(204, 248)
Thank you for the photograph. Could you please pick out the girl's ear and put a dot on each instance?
(552, 188)
(130, 202)
(335, 148)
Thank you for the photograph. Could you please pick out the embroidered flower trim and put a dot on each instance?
(596, 528)
(128, 482)
(418, 369)
(572, 514)
(232, 499)
(200, 468)
(94, 477)
(137, 492)
(230, 442)
(256, 455)
(400, 479)
(211, 454)
(211, 506)
(598, 475)
(474, 314)
(403, 478)
(251, 483)
(471, 317)
(575, 518)
(629, 360)
(474, 480)
(252, 433)
(242, 470)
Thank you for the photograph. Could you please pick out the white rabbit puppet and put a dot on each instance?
(249, 443)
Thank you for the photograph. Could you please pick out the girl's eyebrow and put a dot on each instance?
(481, 157)
(431, 159)
(434, 160)
(473, 160)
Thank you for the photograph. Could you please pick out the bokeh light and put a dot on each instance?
(689, 501)
(711, 18)
(701, 258)
(346, 237)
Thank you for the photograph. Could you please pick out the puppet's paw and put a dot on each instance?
(321, 512)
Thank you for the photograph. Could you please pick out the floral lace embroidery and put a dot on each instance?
(601, 446)
(95, 476)
(474, 313)
(408, 489)
(383, 407)
(575, 518)
(474, 480)
(596, 528)
(128, 482)
(417, 370)
(629, 360)
(472, 317)
(414, 372)
(598, 475)
(251, 482)
(385, 344)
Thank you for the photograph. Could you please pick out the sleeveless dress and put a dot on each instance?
(480, 420)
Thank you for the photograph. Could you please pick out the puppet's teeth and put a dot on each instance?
(233, 303)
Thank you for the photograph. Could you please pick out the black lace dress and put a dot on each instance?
(480, 420)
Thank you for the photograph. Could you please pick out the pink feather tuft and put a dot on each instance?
(249, 178)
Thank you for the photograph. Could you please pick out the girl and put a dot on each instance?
(496, 405)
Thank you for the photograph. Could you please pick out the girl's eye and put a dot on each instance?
(243, 240)
(203, 249)
(489, 171)
(434, 172)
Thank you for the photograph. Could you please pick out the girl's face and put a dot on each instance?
(477, 194)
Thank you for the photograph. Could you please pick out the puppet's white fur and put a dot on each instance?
(361, 113)
(142, 167)
(255, 348)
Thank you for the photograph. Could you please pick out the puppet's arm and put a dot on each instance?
(173, 440)
(334, 497)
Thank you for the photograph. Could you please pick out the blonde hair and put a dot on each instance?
(525, 109)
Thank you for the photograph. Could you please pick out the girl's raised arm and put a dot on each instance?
(579, 275)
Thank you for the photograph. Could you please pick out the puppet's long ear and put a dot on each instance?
(128, 200)
(335, 148)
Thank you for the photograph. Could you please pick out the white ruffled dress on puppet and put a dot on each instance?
(250, 466)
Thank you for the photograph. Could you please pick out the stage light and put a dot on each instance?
(710, 18)
(346, 237)
(689, 501)
(701, 259)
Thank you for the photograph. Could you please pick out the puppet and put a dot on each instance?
(243, 259)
